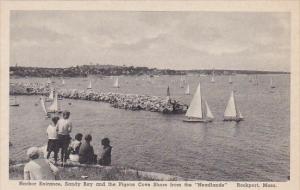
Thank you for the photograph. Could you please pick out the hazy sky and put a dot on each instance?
(176, 40)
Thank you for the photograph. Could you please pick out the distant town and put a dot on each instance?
(113, 70)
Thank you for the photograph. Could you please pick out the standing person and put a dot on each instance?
(105, 159)
(64, 127)
(52, 139)
(86, 152)
(39, 168)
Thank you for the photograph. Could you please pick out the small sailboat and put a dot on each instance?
(232, 113)
(230, 80)
(250, 79)
(198, 110)
(51, 96)
(168, 94)
(213, 77)
(43, 105)
(90, 85)
(271, 83)
(116, 83)
(63, 82)
(15, 103)
(187, 90)
(49, 81)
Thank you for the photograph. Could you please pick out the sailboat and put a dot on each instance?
(181, 82)
(187, 90)
(63, 82)
(15, 102)
(54, 106)
(250, 79)
(271, 83)
(168, 94)
(48, 81)
(232, 112)
(51, 96)
(116, 83)
(90, 85)
(230, 80)
(198, 110)
(43, 105)
(213, 77)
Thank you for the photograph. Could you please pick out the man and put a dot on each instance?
(39, 168)
(86, 152)
(64, 128)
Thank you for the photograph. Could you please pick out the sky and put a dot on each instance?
(174, 40)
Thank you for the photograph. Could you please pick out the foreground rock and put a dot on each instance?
(123, 101)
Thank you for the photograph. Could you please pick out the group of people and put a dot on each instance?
(75, 150)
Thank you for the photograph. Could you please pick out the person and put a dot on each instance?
(52, 139)
(39, 168)
(105, 159)
(74, 148)
(86, 152)
(64, 127)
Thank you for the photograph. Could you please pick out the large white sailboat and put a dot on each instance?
(116, 83)
(232, 113)
(187, 90)
(54, 106)
(51, 96)
(198, 110)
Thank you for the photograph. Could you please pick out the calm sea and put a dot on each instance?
(256, 149)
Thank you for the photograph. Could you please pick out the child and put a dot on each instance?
(52, 139)
(74, 148)
(105, 159)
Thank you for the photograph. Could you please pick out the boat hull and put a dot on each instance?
(196, 120)
(14, 105)
(233, 119)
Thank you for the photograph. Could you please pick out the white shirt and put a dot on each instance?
(40, 169)
(64, 126)
(52, 132)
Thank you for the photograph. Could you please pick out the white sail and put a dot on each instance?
(51, 95)
(90, 85)
(213, 77)
(48, 81)
(54, 106)
(116, 83)
(43, 105)
(195, 108)
(230, 111)
(63, 82)
(187, 91)
(208, 112)
(271, 83)
(230, 80)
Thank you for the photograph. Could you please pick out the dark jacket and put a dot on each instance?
(105, 159)
(86, 154)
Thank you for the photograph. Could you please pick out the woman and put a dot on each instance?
(39, 168)
(86, 152)
(105, 159)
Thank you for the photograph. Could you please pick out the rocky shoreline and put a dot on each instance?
(132, 102)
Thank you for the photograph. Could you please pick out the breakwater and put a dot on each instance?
(132, 102)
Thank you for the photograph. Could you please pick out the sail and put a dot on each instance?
(116, 84)
(230, 110)
(63, 82)
(168, 92)
(195, 108)
(90, 85)
(271, 83)
(48, 81)
(54, 106)
(43, 105)
(51, 95)
(208, 112)
(230, 80)
(213, 77)
(187, 91)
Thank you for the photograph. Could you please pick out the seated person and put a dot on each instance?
(86, 152)
(39, 168)
(105, 159)
(74, 148)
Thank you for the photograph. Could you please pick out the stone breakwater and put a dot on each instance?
(117, 100)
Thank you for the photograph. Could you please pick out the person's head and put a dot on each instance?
(88, 138)
(33, 153)
(55, 120)
(66, 114)
(78, 136)
(105, 142)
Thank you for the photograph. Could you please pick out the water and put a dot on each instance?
(256, 149)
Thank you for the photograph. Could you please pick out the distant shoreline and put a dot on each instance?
(112, 70)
